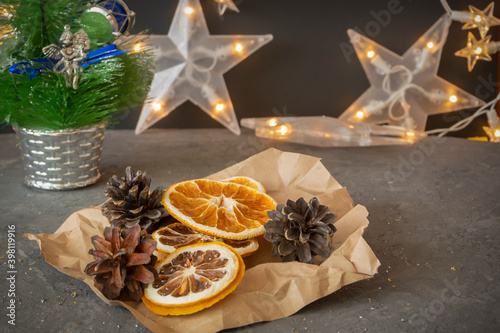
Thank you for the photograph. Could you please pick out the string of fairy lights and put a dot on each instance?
(404, 90)
(477, 49)
(397, 82)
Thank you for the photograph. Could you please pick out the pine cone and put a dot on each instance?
(131, 202)
(122, 264)
(300, 230)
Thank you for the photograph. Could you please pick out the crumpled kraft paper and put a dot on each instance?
(270, 289)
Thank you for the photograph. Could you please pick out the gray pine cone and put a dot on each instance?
(130, 201)
(300, 230)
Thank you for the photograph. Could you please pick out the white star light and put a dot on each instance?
(405, 90)
(191, 64)
(481, 19)
(475, 50)
(222, 5)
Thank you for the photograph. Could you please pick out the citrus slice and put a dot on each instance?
(159, 255)
(247, 181)
(176, 235)
(220, 209)
(193, 278)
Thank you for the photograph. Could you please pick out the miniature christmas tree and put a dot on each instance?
(35, 89)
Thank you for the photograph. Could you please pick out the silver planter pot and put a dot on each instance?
(61, 160)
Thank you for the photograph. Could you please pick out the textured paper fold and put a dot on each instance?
(270, 289)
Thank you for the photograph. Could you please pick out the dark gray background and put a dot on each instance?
(304, 71)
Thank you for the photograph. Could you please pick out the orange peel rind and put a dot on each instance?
(247, 181)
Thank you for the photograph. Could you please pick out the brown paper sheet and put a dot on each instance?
(270, 289)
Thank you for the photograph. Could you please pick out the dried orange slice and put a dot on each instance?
(176, 235)
(193, 278)
(218, 208)
(247, 181)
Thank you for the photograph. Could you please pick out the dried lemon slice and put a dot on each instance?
(247, 181)
(194, 277)
(218, 208)
(176, 235)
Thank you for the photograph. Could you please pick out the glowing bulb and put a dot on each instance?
(453, 98)
(360, 115)
(137, 48)
(272, 122)
(410, 134)
(430, 45)
(156, 106)
(497, 133)
(283, 130)
(219, 107)
(238, 47)
(477, 18)
(378, 62)
(188, 10)
(478, 50)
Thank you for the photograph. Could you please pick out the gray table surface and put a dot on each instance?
(434, 225)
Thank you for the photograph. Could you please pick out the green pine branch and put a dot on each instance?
(40, 23)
